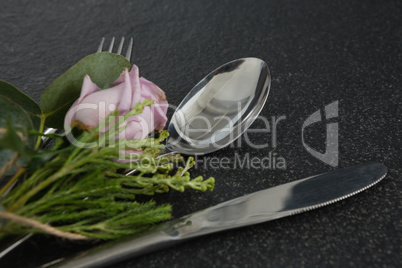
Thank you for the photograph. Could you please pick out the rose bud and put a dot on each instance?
(94, 105)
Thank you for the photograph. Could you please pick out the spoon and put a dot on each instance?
(219, 108)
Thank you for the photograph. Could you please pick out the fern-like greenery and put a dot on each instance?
(84, 191)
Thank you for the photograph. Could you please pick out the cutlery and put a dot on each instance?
(212, 115)
(218, 109)
(266, 205)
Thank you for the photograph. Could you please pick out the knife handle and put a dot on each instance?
(224, 216)
(162, 236)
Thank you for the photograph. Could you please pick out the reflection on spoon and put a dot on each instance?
(220, 107)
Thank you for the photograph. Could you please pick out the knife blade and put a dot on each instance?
(273, 203)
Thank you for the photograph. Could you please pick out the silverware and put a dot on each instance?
(217, 110)
(266, 205)
(227, 100)
(220, 107)
(119, 48)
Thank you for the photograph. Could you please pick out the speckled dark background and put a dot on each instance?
(318, 52)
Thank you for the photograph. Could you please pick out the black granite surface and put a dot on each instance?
(318, 52)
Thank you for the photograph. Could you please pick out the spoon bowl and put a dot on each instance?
(220, 107)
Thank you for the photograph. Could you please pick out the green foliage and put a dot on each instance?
(11, 140)
(14, 139)
(19, 98)
(82, 190)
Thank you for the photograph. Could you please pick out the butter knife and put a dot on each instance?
(266, 205)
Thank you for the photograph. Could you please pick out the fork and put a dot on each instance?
(45, 140)
(120, 47)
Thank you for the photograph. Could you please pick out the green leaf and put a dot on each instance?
(14, 125)
(11, 140)
(10, 91)
(24, 101)
(103, 68)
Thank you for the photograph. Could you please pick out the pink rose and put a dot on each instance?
(94, 105)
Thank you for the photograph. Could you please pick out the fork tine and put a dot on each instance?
(101, 45)
(111, 45)
(119, 49)
(120, 46)
(129, 49)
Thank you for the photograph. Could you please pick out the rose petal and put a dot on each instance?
(135, 85)
(88, 87)
(124, 104)
(96, 107)
(151, 91)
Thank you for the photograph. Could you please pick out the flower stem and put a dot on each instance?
(12, 180)
(9, 165)
(41, 128)
(38, 225)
